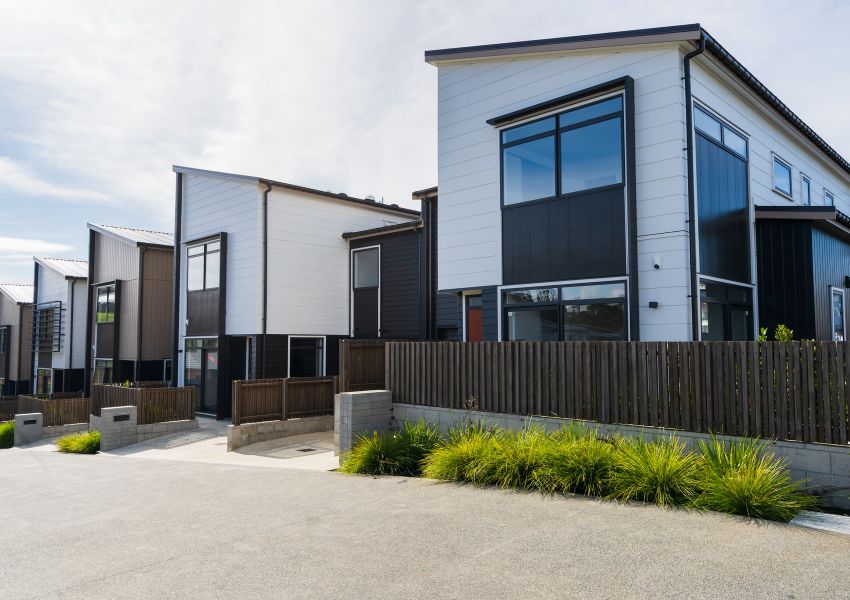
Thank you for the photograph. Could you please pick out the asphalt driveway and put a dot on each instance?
(121, 527)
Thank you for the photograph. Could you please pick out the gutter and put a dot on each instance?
(265, 274)
(178, 253)
(692, 216)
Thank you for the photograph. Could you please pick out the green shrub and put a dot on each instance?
(662, 472)
(85, 442)
(391, 453)
(7, 434)
(457, 458)
(743, 478)
(511, 458)
(580, 464)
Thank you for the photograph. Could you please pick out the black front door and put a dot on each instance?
(202, 372)
(366, 293)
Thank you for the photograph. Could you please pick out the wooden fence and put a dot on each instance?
(8, 407)
(153, 404)
(791, 391)
(58, 409)
(256, 400)
(361, 365)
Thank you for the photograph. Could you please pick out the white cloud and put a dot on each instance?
(29, 247)
(19, 178)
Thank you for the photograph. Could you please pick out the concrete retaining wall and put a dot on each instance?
(826, 468)
(360, 412)
(119, 427)
(251, 433)
(29, 429)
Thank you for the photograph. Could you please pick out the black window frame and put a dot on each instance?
(805, 190)
(556, 132)
(828, 198)
(205, 253)
(560, 303)
(5, 334)
(728, 304)
(320, 347)
(725, 126)
(790, 193)
(111, 297)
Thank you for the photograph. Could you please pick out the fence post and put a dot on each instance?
(234, 407)
(283, 407)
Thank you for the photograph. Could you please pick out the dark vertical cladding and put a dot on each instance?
(35, 301)
(631, 203)
(447, 317)
(178, 252)
(224, 383)
(785, 276)
(90, 296)
(724, 247)
(400, 300)
(490, 310)
(202, 312)
(577, 237)
(831, 265)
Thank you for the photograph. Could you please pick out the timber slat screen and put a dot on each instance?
(256, 400)
(60, 409)
(8, 407)
(153, 404)
(361, 365)
(784, 390)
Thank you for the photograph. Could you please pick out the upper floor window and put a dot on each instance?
(47, 327)
(828, 198)
(720, 132)
(806, 187)
(4, 339)
(204, 262)
(106, 303)
(781, 176)
(577, 150)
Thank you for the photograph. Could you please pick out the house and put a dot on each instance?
(638, 185)
(267, 282)
(59, 325)
(129, 308)
(15, 338)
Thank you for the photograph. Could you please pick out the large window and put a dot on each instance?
(725, 312)
(366, 268)
(204, 266)
(579, 150)
(106, 304)
(585, 312)
(102, 371)
(720, 132)
(781, 176)
(47, 327)
(306, 356)
(837, 319)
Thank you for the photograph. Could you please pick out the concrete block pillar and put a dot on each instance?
(28, 428)
(118, 427)
(356, 413)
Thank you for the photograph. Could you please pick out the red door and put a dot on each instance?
(474, 319)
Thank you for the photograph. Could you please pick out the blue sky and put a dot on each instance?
(98, 99)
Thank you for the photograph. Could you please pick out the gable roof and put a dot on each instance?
(394, 208)
(70, 268)
(693, 33)
(140, 237)
(21, 293)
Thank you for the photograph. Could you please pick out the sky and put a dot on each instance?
(99, 99)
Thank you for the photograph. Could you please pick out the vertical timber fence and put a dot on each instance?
(255, 400)
(784, 390)
(57, 409)
(361, 365)
(153, 404)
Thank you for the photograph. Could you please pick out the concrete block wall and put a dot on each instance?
(125, 430)
(251, 433)
(357, 413)
(824, 467)
(29, 428)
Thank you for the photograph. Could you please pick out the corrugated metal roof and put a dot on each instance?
(66, 266)
(138, 236)
(18, 292)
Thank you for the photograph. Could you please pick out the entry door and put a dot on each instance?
(209, 391)
(366, 292)
(474, 318)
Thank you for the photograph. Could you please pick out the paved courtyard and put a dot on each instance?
(110, 526)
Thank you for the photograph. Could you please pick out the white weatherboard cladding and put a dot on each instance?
(212, 205)
(53, 287)
(769, 134)
(469, 228)
(308, 270)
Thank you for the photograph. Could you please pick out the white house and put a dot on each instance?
(266, 278)
(59, 325)
(631, 185)
(15, 338)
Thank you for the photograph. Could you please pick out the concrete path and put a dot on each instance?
(111, 527)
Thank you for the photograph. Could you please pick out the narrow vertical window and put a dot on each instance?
(838, 329)
(806, 187)
(828, 198)
(781, 176)
(204, 266)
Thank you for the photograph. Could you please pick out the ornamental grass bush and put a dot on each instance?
(7, 434)
(740, 478)
(85, 442)
(744, 478)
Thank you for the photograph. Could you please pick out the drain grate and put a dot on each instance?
(185, 439)
(306, 450)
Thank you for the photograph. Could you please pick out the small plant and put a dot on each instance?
(783, 333)
(85, 442)
(392, 453)
(662, 472)
(579, 464)
(512, 457)
(458, 457)
(743, 478)
(762, 334)
(7, 434)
